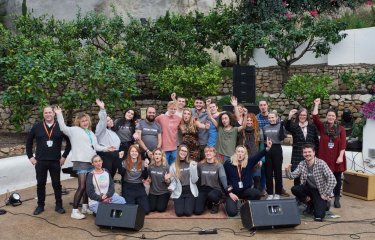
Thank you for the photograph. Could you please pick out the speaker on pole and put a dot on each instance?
(270, 214)
(129, 216)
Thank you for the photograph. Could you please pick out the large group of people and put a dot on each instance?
(197, 157)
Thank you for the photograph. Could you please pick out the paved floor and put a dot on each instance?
(357, 217)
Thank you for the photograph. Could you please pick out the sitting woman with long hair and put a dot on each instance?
(184, 176)
(160, 178)
(239, 171)
(134, 171)
(212, 182)
(100, 186)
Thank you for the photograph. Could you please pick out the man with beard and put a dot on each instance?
(317, 183)
(199, 113)
(148, 133)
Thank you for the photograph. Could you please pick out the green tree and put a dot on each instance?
(49, 62)
(189, 81)
(305, 88)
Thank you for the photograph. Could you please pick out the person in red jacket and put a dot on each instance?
(332, 146)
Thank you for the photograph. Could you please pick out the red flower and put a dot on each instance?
(314, 13)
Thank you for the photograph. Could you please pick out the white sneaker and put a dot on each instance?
(86, 211)
(269, 197)
(276, 196)
(77, 215)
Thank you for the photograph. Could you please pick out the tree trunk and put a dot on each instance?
(284, 74)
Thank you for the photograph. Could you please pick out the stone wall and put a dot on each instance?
(268, 86)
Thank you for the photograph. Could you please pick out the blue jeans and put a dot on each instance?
(115, 199)
(171, 156)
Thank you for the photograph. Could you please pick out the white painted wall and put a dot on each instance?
(357, 47)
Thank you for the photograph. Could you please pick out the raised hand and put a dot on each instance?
(100, 103)
(292, 112)
(173, 96)
(208, 102)
(269, 144)
(146, 163)
(233, 101)
(167, 177)
(57, 110)
(317, 101)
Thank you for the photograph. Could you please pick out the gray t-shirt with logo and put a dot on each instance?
(158, 185)
(150, 131)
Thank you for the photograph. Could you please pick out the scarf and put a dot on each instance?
(332, 132)
(303, 128)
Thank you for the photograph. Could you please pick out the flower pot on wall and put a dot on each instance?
(368, 138)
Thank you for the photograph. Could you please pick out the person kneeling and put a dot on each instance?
(317, 183)
(100, 187)
(239, 171)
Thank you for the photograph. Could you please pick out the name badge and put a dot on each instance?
(331, 145)
(240, 184)
(49, 143)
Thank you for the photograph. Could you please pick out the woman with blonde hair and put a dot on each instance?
(133, 172)
(188, 128)
(240, 177)
(184, 176)
(212, 182)
(84, 147)
(160, 178)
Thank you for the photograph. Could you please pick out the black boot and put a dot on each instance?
(336, 203)
(328, 205)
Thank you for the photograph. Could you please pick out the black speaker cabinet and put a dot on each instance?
(244, 83)
(129, 216)
(262, 214)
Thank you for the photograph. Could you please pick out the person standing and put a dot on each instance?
(200, 114)
(148, 133)
(48, 138)
(212, 130)
(107, 137)
(303, 131)
(332, 146)
(274, 158)
(84, 147)
(317, 182)
(169, 126)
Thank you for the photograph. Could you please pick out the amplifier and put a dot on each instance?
(359, 185)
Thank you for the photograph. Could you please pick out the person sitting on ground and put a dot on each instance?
(184, 178)
(160, 179)
(239, 171)
(212, 182)
(100, 187)
(317, 183)
(133, 172)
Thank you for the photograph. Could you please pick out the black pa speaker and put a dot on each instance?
(270, 214)
(244, 83)
(129, 216)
